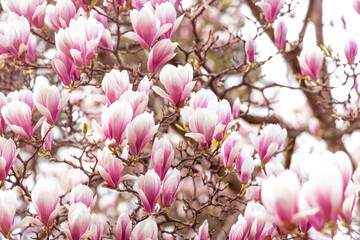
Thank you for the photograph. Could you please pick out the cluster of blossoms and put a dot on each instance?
(94, 145)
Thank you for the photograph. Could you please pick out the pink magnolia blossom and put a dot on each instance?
(223, 111)
(59, 16)
(310, 61)
(178, 83)
(356, 6)
(323, 193)
(250, 49)
(342, 161)
(15, 38)
(8, 202)
(230, 149)
(161, 53)
(49, 101)
(137, 100)
(236, 108)
(351, 50)
(82, 193)
(145, 230)
(140, 131)
(24, 95)
(78, 226)
(65, 68)
(144, 85)
(149, 187)
(280, 31)
(8, 153)
(45, 197)
(114, 120)
(123, 227)
(162, 156)
(98, 224)
(17, 116)
(171, 187)
(49, 138)
(115, 83)
(257, 226)
(271, 9)
(80, 40)
(110, 167)
(204, 126)
(274, 167)
(204, 231)
(3, 102)
(138, 4)
(271, 138)
(32, 10)
(239, 230)
(244, 166)
(202, 98)
(166, 13)
(280, 197)
(147, 27)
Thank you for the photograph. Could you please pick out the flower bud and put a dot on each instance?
(204, 231)
(162, 156)
(230, 149)
(123, 227)
(351, 50)
(271, 9)
(145, 230)
(236, 108)
(244, 166)
(82, 193)
(49, 138)
(171, 187)
(280, 32)
(110, 167)
(161, 53)
(115, 83)
(149, 190)
(310, 61)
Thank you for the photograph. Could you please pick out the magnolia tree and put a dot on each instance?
(179, 120)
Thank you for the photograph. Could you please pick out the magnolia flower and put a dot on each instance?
(323, 193)
(137, 100)
(351, 50)
(123, 227)
(166, 14)
(110, 167)
(283, 209)
(8, 203)
(59, 16)
(231, 149)
(82, 193)
(24, 95)
(45, 197)
(310, 61)
(3, 102)
(47, 133)
(162, 156)
(144, 85)
(114, 84)
(15, 38)
(270, 140)
(32, 10)
(271, 9)
(114, 120)
(161, 53)
(65, 68)
(236, 108)
(244, 166)
(49, 101)
(204, 126)
(239, 230)
(140, 131)
(145, 230)
(178, 83)
(78, 225)
(80, 40)
(18, 116)
(171, 187)
(8, 153)
(149, 190)
(204, 231)
(250, 49)
(280, 31)
(147, 27)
